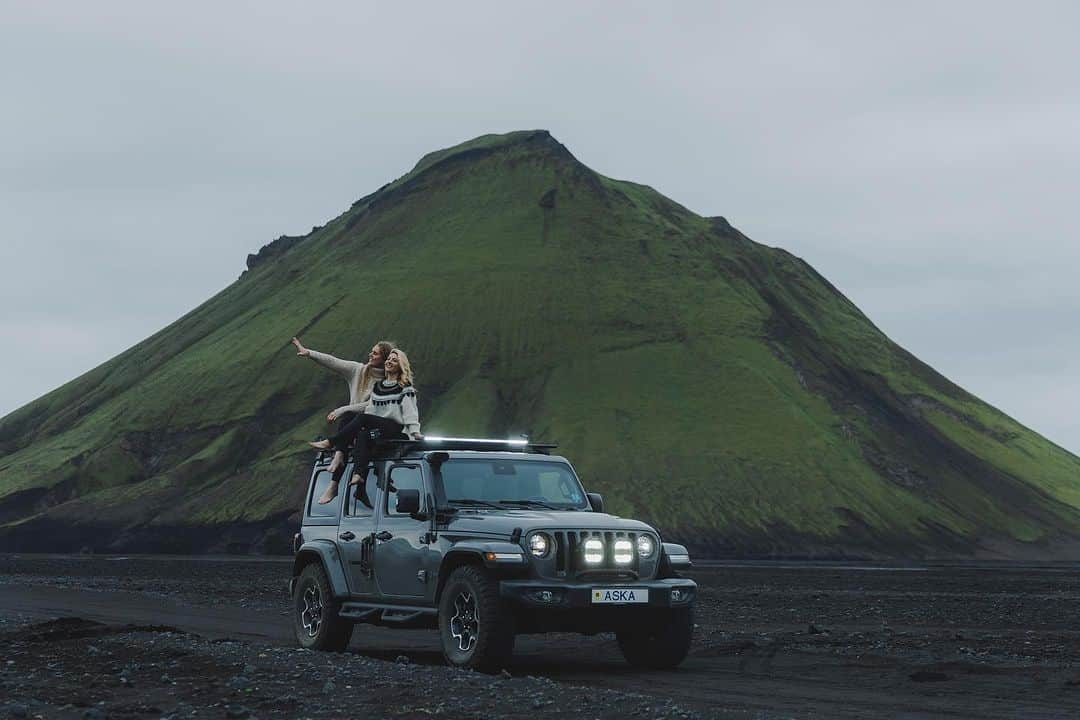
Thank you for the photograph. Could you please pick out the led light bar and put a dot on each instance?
(594, 551)
(624, 552)
(436, 438)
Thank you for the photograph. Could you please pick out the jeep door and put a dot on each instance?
(402, 558)
(356, 533)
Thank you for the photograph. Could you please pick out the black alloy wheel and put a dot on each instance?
(316, 622)
(465, 623)
(476, 628)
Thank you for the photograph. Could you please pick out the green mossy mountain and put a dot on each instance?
(716, 387)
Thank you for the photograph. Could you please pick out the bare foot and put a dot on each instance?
(355, 480)
(320, 444)
(330, 494)
(337, 462)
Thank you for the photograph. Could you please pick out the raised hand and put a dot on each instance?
(301, 351)
(331, 416)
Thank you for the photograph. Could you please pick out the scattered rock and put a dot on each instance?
(237, 711)
(328, 687)
(402, 660)
(17, 710)
(239, 682)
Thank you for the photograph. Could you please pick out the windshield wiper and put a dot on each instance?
(474, 503)
(531, 503)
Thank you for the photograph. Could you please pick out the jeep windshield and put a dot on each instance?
(473, 482)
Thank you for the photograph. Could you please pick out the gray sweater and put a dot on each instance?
(352, 371)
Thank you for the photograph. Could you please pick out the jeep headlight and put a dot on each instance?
(539, 545)
(645, 546)
(594, 551)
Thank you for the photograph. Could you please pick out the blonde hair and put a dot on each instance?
(406, 375)
(366, 381)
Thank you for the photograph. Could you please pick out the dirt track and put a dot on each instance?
(773, 641)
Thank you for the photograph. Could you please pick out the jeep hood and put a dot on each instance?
(504, 521)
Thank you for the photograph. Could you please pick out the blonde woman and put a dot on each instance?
(391, 414)
(361, 377)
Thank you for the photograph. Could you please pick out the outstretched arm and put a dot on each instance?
(341, 367)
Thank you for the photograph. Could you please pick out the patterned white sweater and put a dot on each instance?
(390, 400)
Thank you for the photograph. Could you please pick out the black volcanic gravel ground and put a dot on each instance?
(73, 668)
(773, 641)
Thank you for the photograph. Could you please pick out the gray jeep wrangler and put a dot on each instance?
(483, 539)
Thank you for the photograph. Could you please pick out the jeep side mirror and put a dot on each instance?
(408, 501)
(597, 501)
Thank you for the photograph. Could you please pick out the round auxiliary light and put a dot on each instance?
(539, 545)
(645, 546)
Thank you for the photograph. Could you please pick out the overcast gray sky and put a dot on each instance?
(922, 156)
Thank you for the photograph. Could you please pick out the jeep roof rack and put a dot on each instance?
(435, 442)
(385, 449)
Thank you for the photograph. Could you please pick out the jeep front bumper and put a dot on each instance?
(540, 593)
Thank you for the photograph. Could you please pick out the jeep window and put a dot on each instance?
(322, 479)
(362, 503)
(513, 483)
(403, 477)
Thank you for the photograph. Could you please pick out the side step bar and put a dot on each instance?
(391, 613)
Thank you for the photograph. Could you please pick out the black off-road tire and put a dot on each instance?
(660, 642)
(475, 626)
(316, 623)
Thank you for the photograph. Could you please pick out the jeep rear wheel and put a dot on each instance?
(315, 613)
(476, 629)
(662, 641)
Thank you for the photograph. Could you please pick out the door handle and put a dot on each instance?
(346, 535)
(384, 535)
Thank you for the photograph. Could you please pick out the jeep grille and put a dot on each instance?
(569, 553)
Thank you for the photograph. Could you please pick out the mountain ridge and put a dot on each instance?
(796, 426)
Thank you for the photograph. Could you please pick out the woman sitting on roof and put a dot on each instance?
(391, 415)
(361, 377)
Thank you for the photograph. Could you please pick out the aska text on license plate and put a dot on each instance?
(620, 596)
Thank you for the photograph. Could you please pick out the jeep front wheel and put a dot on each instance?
(476, 629)
(315, 613)
(662, 641)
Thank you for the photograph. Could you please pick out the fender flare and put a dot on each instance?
(679, 552)
(674, 548)
(326, 553)
(473, 552)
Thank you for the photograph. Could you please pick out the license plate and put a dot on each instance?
(619, 596)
